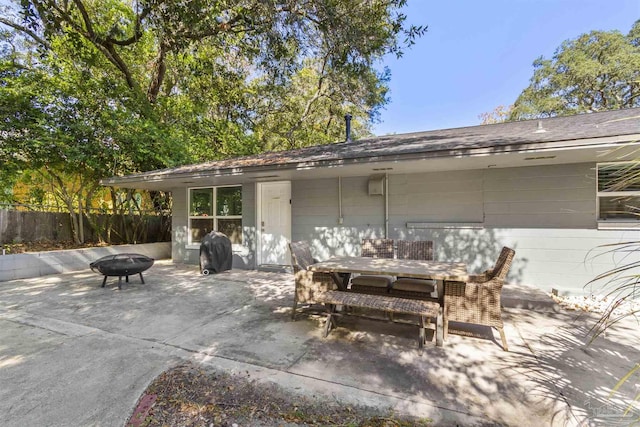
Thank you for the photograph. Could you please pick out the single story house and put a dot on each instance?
(552, 189)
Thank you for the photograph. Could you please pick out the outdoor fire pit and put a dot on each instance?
(121, 265)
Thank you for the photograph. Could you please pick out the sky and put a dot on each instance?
(477, 55)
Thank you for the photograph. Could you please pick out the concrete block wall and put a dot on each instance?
(35, 264)
(546, 213)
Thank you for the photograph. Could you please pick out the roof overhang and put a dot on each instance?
(615, 148)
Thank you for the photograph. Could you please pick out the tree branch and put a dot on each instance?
(299, 13)
(85, 17)
(100, 43)
(137, 33)
(158, 73)
(227, 27)
(27, 31)
(317, 95)
(113, 56)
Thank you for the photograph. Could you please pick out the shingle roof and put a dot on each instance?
(502, 137)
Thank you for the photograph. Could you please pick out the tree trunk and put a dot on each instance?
(80, 220)
(74, 223)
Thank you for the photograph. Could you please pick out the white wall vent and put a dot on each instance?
(376, 185)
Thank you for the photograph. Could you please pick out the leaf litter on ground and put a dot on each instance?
(191, 395)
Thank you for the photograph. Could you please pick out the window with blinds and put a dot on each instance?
(618, 191)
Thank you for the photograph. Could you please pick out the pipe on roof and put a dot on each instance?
(347, 120)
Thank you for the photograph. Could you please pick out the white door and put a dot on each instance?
(274, 222)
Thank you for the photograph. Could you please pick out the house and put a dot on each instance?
(550, 188)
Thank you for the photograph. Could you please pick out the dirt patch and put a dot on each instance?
(192, 396)
(43, 246)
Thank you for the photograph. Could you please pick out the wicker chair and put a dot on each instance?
(420, 249)
(377, 248)
(478, 300)
(308, 284)
(406, 287)
(374, 284)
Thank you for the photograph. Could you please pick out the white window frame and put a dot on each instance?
(617, 223)
(214, 216)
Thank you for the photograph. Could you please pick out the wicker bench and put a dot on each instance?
(425, 310)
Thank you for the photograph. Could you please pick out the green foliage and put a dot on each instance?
(312, 106)
(594, 72)
(500, 114)
(188, 81)
(95, 88)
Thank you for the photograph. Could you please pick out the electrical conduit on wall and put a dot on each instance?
(340, 218)
(386, 205)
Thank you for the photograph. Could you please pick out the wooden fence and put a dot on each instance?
(18, 226)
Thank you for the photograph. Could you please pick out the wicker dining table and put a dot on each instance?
(338, 267)
(419, 269)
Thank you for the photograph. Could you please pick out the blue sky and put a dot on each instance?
(477, 55)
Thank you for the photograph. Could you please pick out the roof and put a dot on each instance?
(556, 132)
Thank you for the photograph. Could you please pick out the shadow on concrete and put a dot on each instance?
(240, 320)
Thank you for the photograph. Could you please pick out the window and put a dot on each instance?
(215, 208)
(619, 191)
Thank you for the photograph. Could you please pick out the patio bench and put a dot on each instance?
(425, 310)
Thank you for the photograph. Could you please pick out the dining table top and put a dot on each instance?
(436, 270)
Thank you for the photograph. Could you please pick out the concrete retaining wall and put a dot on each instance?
(35, 264)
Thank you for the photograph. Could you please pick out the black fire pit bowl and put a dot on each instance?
(121, 265)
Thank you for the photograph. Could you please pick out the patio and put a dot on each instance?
(72, 353)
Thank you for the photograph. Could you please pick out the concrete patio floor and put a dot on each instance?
(72, 353)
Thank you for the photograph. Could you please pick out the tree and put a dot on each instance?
(255, 47)
(594, 72)
(312, 106)
(62, 125)
(500, 114)
(97, 88)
